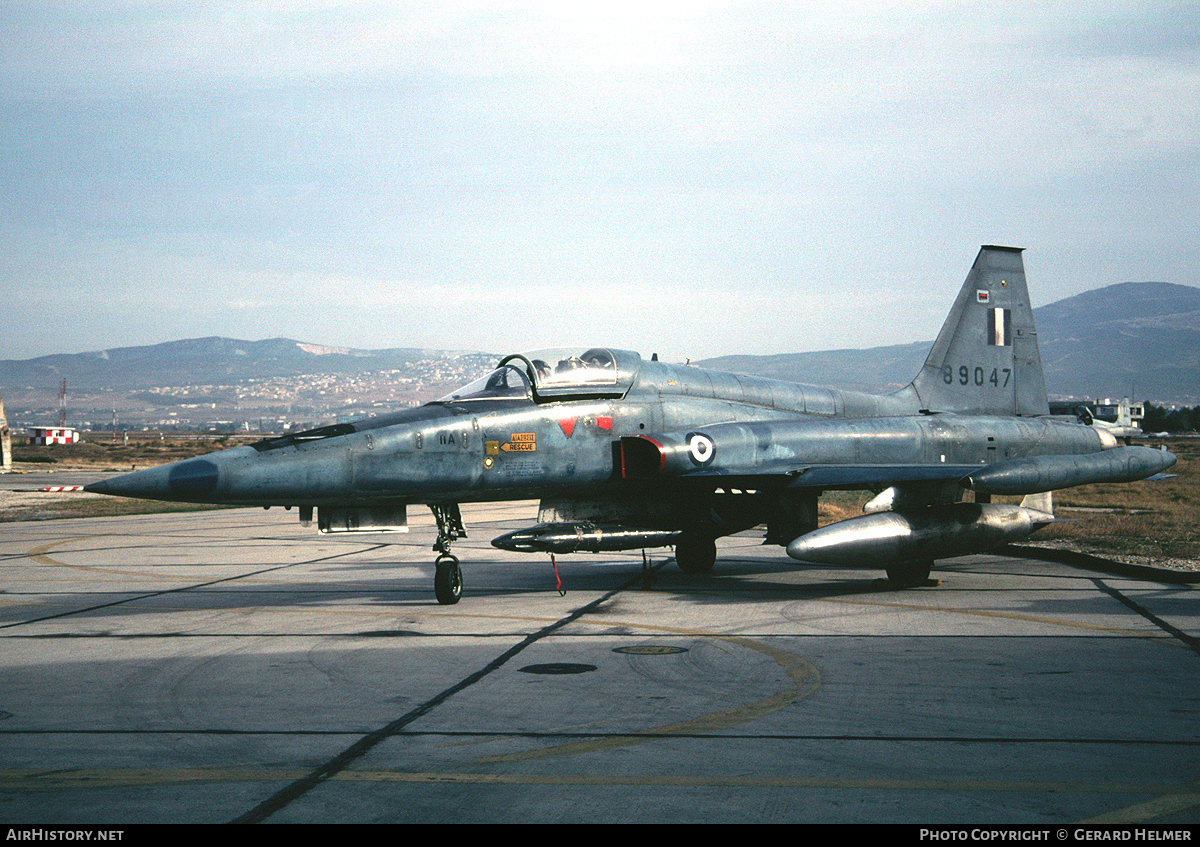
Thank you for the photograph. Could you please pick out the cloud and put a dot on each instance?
(718, 177)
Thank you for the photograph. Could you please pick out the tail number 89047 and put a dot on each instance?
(998, 378)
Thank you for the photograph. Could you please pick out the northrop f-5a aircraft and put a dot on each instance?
(626, 453)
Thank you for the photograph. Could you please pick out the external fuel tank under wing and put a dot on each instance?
(625, 453)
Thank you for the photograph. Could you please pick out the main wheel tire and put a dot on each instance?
(909, 574)
(447, 581)
(696, 554)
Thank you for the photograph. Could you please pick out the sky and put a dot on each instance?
(688, 178)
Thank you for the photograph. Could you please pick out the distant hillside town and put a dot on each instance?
(266, 404)
(1133, 340)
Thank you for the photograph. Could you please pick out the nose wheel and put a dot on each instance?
(447, 580)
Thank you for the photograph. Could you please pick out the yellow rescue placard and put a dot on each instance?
(520, 442)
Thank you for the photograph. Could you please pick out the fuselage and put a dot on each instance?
(528, 436)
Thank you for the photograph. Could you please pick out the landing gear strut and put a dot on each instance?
(447, 579)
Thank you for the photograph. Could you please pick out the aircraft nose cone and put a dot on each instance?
(150, 483)
(193, 479)
(103, 486)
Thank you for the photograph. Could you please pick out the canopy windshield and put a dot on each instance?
(506, 382)
(554, 375)
(572, 371)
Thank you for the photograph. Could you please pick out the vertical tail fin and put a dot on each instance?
(986, 359)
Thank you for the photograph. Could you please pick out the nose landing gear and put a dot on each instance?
(447, 578)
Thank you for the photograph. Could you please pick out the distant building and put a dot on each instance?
(1123, 419)
(53, 435)
(1122, 413)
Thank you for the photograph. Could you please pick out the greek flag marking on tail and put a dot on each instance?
(989, 330)
(999, 325)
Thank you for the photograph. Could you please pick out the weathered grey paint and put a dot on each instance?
(650, 453)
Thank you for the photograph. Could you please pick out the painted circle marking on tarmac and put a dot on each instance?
(650, 650)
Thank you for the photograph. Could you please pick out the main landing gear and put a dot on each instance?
(910, 574)
(447, 578)
(695, 553)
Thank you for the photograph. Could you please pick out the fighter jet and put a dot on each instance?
(628, 453)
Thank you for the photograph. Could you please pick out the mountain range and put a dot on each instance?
(204, 361)
(1130, 339)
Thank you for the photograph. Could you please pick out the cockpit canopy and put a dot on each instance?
(555, 374)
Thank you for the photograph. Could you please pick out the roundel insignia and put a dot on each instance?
(700, 448)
